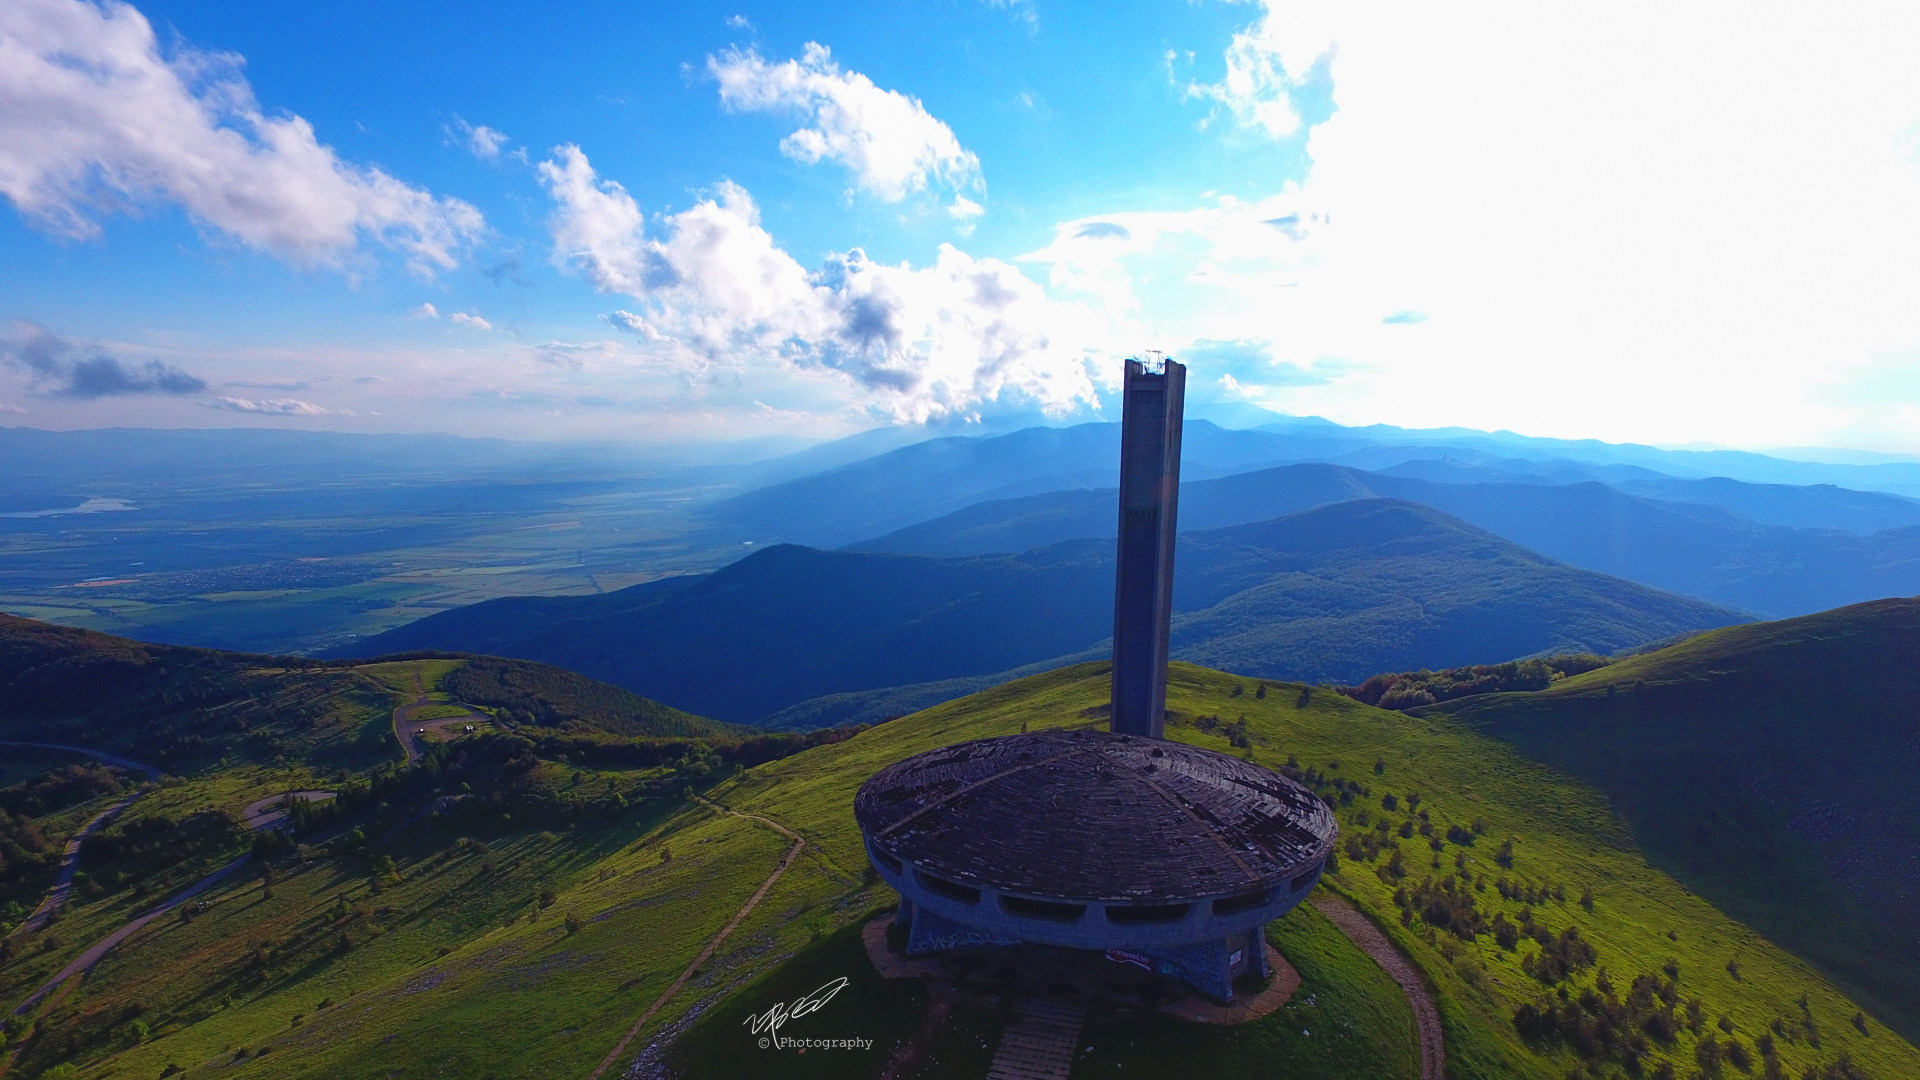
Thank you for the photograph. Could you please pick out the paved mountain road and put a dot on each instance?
(124, 763)
(271, 812)
(262, 814)
(83, 963)
(69, 864)
(70, 856)
(407, 730)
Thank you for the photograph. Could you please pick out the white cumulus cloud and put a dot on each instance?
(597, 228)
(890, 142)
(482, 142)
(461, 318)
(918, 343)
(95, 119)
(1267, 64)
(632, 324)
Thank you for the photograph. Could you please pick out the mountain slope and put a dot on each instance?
(412, 934)
(1691, 548)
(790, 623)
(1769, 767)
(180, 707)
(1334, 595)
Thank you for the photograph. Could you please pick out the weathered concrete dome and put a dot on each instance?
(1091, 839)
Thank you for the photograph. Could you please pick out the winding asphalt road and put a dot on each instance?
(70, 856)
(267, 813)
(84, 962)
(404, 727)
(124, 763)
(271, 812)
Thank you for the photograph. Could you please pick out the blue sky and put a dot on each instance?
(660, 222)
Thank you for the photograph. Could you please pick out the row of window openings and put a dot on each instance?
(1125, 915)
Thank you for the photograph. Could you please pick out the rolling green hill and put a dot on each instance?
(179, 707)
(1771, 769)
(1334, 594)
(495, 911)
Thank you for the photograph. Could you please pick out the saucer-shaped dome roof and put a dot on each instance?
(1094, 816)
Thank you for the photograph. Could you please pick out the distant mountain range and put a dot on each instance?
(844, 503)
(1334, 594)
(1705, 538)
(913, 483)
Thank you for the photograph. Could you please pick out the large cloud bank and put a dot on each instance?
(917, 343)
(95, 119)
(1649, 221)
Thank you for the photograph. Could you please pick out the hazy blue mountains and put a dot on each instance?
(914, 483)
(1335, 594)
(1686, 545)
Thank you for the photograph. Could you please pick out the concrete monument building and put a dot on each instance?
(1152, 403)
(1165, 855)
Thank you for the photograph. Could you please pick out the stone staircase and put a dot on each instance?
(1040, 1042)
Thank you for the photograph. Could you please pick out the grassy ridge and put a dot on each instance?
(1768, 767)
(1563, 831)
(530, 956)
(186, 709)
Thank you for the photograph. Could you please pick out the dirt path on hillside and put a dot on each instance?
(707, 953)
(1362, 932)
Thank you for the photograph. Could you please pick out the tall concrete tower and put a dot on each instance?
(1152, 403)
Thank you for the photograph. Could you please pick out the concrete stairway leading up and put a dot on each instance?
(1040, 1042)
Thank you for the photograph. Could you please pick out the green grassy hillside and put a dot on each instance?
(183, 708)
(495, 912)
(1771, 769)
